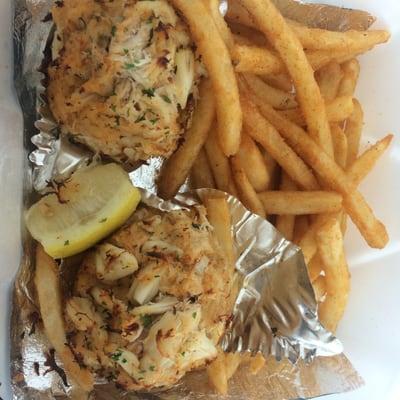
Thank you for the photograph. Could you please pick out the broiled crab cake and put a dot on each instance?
(151, 303)
(124, 76)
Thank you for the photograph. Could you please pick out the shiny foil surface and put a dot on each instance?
(275, 311)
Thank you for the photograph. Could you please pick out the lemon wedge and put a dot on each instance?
(86, 208)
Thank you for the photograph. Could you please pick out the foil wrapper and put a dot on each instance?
(275, 312)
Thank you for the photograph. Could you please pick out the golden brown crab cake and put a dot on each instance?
(124, 76)
(151, 302)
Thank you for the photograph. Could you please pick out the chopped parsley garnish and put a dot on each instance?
(149, 92)
(154, 120)
(156, 276)
(146, 320)
(183, 354)
(130, 65)
(103, 220)
(166, 98)
(152, 368)
(194, 315)
(66, 243)
(113, 107)
(140, 118)
(113, 30)
(126, 51)
(196, 226)
(117, 355)
(124, 360)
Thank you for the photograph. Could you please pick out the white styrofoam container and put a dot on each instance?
(371, 326)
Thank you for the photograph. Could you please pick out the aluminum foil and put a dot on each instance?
(275, 311)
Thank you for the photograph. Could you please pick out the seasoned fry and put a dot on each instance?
(232, 362)
(300, 227)
(247, 194)
(274, 170)
(353, 132)
(253, 164)
(307, 243)
(256, 363)
(339, 145)
(300, 203)
(237, 13)
(213, 7)
(281, 36)
(268, 137)
(320, 288)
(261, 61)
(366, 162)
(256, 60)
(47, 283)
(216, 372)
(285, 223)
(277, 98)
(373, 231)
(245, 35)
(337, 110)
(178, 166)
(337, 277)
(220, 218)
(217, 60)
(279, 81)
(219, 164)
(329, 79)
(315, 267)
(201, 174)
(351, 71)
(316, 39)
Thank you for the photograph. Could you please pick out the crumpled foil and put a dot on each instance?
(275, 311)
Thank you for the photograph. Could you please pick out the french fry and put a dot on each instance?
(232, 362)
(220, 219)
(300, 227)
(256, 363)
(273, 168)
(268, 137)
(245, 35)
(279, 81)
(224, 31)
(316, 39)
(277, 98)
(300, 203)
(285, 223)
(315, 267)
(306, 241)
(256, 60)
(353, 132)
(219, 164)
(329, 79)
(253, 164)
(177, 167)
(366, 162)
(201, 174)
(337, 110)
(282, 37)
(216, 372)
(238, 14)
(339, 140)
(247, 194)
(337, 276)
(216, 58)
(262, 61)
(320, 289)
(47, 283)
(373, 231)
(351, 71)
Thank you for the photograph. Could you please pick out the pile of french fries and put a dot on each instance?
(278, 126)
